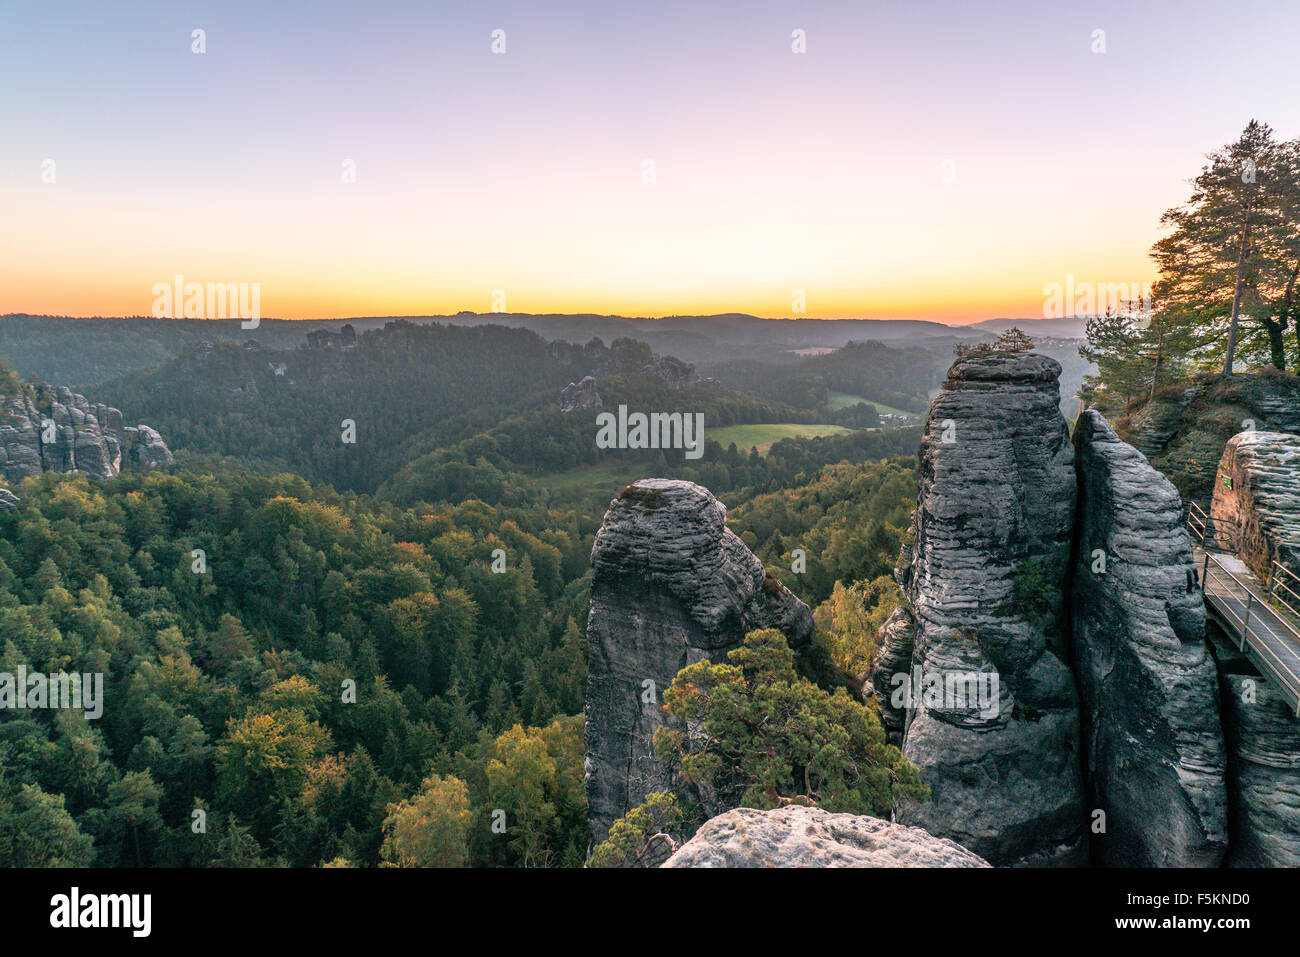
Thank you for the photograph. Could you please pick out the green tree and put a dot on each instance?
(37, 831)
(757, 735)
(647, 835)
(1219, 261)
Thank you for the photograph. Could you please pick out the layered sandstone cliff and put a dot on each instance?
(985, 579)
(1263, 742)
(1155, 765)
(671, 585)
(1058, 570)
(1255, 510)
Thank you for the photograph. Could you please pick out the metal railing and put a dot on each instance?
(1256, 627)
(1284, 588)
(1200, 525)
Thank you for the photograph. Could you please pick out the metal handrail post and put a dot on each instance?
(1245, 625)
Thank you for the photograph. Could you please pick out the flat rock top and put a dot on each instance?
(797, 836)
(1005, 367)
(1274, 448)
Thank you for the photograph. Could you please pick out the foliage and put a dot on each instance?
(1033, 594)
(1012, 340)
(431, 829)
(647, 835)
(756, 735)
(1229, 263)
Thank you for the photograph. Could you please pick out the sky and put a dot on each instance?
(933, 160)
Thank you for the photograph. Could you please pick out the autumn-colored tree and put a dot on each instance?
(430, 829)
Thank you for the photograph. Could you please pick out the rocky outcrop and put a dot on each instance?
(671, 585)
(1155, 754)
(1255, 510)
(810, 837)
(59, 431)
(671, 371)
(20, 439)
(580, 395)
(148, 450)
(1182, 430)
(985, 579)
(1263, 741)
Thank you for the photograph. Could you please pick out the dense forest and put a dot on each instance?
(324, 654)
(315, 670)
(900, 377)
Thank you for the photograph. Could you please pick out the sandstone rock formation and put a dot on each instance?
(580, 395)
(994, 517)
(1263, 742)
(810, 837)
(1149, 694)
(670, 585)
(1255, 510)
(71, 435)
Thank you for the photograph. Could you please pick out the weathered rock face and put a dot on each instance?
(893, 657)
(996, 508)
(72, 435)
(1263, 741)
(149, 451)
(1155, 753)
(1256, 505)
(810, 837)
(670, 586)
(580, 395)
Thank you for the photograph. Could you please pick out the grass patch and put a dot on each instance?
(842, 400)
(763, 436)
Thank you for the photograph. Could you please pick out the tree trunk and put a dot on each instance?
(1236, 301)
(1284, 314)
(1276, 348)
(1155, 373)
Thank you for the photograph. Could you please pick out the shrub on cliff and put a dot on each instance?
(647, 835)
(752, 733)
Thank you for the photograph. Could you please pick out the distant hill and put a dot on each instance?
(1070, 327)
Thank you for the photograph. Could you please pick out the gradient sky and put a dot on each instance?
(523, 172)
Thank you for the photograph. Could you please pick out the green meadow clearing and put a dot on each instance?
(763, 435)
(842, 400)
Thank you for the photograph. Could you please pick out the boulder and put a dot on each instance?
(797, 836)
(72, 435)
(580, 395)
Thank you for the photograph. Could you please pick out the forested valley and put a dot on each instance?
(374, 654)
